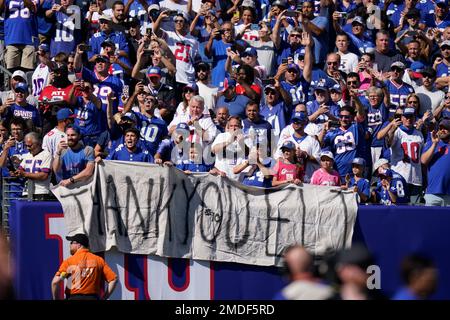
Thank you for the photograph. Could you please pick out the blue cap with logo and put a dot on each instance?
(22, 87)
(441, 2)
(288, 145)
(359, 161)
(182, 126)
(386, 173)
(300, 116)
(293, 66)
(249, 52)
(64, 113)
(154, 72)
(193, 86)
(44, 47)
(227, 82)
(336, 87)
(409, 111)
(321, 85)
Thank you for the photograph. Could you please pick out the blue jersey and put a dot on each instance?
(346, 145)
(98, 38)
(442, 70)
(45, 25)
(88, 118)
(362, 184)
(102, 89)
(122, 153)
(27, 112)
(298, 91)
(286, 51)
(75, 161)
(398, 187)
(219, 56)
(20, 23)
(375, 119)
(313, 106)
(15, 155)
(430, 21)
(438, 169)
(398, 95)
(153, 131)
(236, 105)
(257, 179)
(67, 33)
(275, 116)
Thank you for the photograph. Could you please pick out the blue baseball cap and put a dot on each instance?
(44, 47)
(288, 145)
(154, 72)
(227, 82)
(249, 52)
(102, 57)
(22, 87)
(336, 87)
(417, 66)
(293, 66)
(443, 2)
(386, 173)
(183, 126)
(64, 113)
(321, 85)
(409, 111)
(359, 161)
(300, 116)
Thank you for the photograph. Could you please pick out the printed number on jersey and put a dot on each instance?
(344, 143)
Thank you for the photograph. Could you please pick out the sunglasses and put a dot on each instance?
(226, 30)
(334, 63)
(295, 35)
(447, 97)
(396, 69)
(344, 116)
(179, 21)
(352, 82)
(445, 48)
(413, 101)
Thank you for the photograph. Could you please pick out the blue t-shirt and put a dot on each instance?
(122, 153)
(313, 106)
(398, 187)
(320, 42)
(75, 161)
(362, 184)
(236, 106)
(219, 56)
(20, 23)
(438, 169)
(27, 112)
(257, 179)
(194, 167)
(98, 38)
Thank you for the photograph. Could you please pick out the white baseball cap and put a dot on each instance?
(379, 163)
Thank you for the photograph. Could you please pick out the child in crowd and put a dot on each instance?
(326, 175)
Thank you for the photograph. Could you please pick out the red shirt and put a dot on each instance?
(240, 89)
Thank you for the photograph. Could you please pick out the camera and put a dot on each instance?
(85, 47)
(291, 13)
(269, 81)
(149, 52)
(334, 124)
(254, 26)
(284, 60)
(172, 13)
(234, 48)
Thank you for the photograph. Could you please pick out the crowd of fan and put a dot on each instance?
(336, 93)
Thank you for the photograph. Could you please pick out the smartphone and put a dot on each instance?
(234, 48)
(236, 15)
(269, 81)
(85, 47)
(397, 116)
(334, 124)
(254, 26)
(284, 60)
(149, 31)
(342, 14)
(172, 13)
(149, 52)
(291, 13)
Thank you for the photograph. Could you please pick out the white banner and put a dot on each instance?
(149, 209)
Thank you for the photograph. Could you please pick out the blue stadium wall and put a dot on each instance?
(37, 239)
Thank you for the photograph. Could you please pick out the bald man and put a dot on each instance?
(303, 285)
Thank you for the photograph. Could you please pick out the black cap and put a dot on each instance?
(429, 71)
(413, 13)
(60, 67)
(108, 43)
(80, 238)
(202, 65)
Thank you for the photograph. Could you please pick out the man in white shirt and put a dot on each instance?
(205, 89)
(51, 140)
(349, 60)
(229, 148)
(430, 97)
(36, 167)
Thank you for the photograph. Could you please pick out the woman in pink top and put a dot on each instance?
(365, 64)
(287, 169)
(326, 175)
